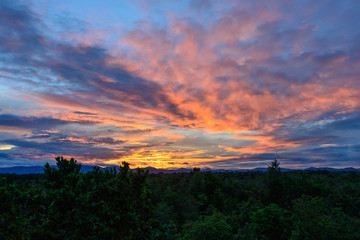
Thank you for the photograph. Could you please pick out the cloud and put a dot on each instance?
(87, 152)
(348, 122)
(36, 122)
(19, 33)
(4, 155)
(94, 140)
(83, 67)
(287, 72)
(187, 98)
(85, 113)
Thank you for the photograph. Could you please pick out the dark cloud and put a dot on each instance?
(19, 36)
(126, 88)
(4, 155)
(335, 155)
(36, 122)
(355, 148)
(347, 122)
(36, 136)
(137, 131)
(306, 139)
(322, 156)
(329, 128)
(330, 57)
(57, 147)
(107, 140)
(133, 147)
(84, 113)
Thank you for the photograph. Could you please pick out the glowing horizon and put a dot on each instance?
(199, 83)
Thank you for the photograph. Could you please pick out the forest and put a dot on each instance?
(123, 203)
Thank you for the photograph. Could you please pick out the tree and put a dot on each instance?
(269, 222)
(210, 228)
(65, 173)
(274, 167)
(195, 170)
(274, 183)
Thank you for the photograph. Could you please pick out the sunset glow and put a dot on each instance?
(180, 84)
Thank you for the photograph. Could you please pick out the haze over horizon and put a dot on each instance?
(171, 84)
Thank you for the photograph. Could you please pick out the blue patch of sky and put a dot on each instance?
(13, 105)
(78, 16)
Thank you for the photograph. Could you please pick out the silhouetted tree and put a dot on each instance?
(274, 183)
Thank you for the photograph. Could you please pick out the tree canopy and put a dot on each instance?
(122, 203)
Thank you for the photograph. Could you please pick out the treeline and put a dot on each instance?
(118, 203)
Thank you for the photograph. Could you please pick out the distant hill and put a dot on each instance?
(87, 168)
(35, 169)
(22, 169)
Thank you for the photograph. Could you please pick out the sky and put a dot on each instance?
(230, 84)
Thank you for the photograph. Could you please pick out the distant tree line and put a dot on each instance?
(118, 203)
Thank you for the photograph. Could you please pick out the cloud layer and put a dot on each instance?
(230, 85)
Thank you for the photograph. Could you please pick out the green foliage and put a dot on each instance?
(71, 205)
(312, 219)
(120, 203)
(269, 222)
(212, 227)
(66, 172)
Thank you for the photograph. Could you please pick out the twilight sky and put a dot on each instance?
(221, 84)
